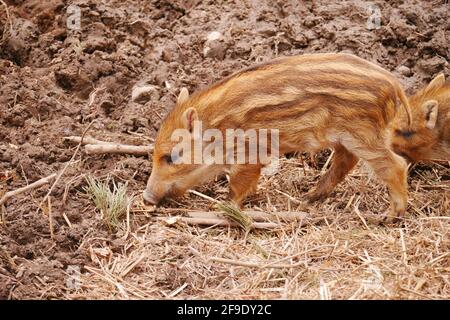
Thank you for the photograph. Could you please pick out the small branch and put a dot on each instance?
(2, 219)
(260, 265)
(255, 215)
(67, 220)
(50, 218)
(272, 264)
(94, 146)
(117, 149)
(86, 140)
(127, 232)
(204, 196)
(289, 197)
(325, 166)
(219, 222)
(8, 17)
(34, 185)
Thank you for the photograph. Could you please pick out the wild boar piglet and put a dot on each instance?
(428, 137)
(301, 103)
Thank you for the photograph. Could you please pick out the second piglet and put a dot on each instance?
(428, 137)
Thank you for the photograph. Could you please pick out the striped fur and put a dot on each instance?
(418, 142)
(316, 101)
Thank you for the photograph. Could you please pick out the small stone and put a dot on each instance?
(214, 46)
(215, 35)
(215, 49)
(404, 70)
(142, 94)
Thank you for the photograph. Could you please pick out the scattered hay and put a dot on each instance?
(337, 255)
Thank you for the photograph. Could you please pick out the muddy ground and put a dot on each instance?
(55, 80)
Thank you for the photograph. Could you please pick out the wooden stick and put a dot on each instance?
(115, 148)
(94, 146)
(289, 197)
(223, 222)
(67, 220)
(34, 185)
(50, 218)
(8, 17)
(2, 219)
(272, 264)
(255, 215)
(86, 140)
(254, 265)
(204, 196)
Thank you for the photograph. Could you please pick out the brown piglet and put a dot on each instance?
(428, 137)
(309, 102)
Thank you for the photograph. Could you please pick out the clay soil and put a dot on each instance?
(54, 81)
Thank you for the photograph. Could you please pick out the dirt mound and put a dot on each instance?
(56, 79)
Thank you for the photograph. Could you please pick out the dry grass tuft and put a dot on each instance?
(231, 211)
(112, 204)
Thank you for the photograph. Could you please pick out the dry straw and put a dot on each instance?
(338, 254)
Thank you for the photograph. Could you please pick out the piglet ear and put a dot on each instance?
(183, 96)
(430, 109)
(188, 118)
(437, 82)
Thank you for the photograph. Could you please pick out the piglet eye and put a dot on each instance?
(167, 159)
(405, 134)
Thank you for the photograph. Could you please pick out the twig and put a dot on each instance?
(177, 291)
(221, 222)
(255, 215)
(325, 166)
(356, 208)
(289, 197)
(260, 265)
(85, 140)
(3, 219)
(204, 196)
(127, 232)
(117, 149)
(94, 146)
(404, 255)
(66, 166)
(67, 220)
(133, 265)
(34, 185)
(50, 219)
(8, 17)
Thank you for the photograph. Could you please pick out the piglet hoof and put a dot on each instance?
(391, 218)
(381, 220)
(147, 206)
(315, 195)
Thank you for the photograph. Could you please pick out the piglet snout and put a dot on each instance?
(149, 198)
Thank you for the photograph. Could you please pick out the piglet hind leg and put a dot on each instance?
(243, 181)
(389, 167)
(342, 163)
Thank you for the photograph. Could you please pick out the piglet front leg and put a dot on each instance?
(243, 181)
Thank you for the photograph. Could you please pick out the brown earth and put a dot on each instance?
(54, 81)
